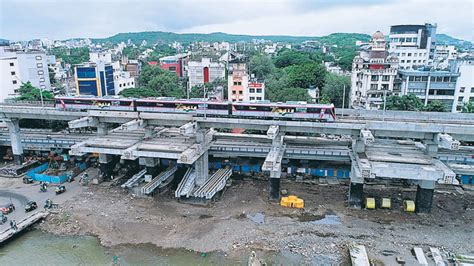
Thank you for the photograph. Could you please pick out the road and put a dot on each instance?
(13, 190)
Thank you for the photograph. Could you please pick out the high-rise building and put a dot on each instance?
(374, 74)
(430, 85)
(237, 80)
(18, 67)
(95, 79)
(414, 45)
(465, 83)
(204, 71)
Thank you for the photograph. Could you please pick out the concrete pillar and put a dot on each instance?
(358, 145)
(431, 148)
(202, 169)
(356, 195)
(274, 182)
(15, 139)
(149, 131)
(424, 196)
(151, 165)
(106, 167)
(102, 129)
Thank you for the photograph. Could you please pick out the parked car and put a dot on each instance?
(60, 189)
(3, 219)
(8, 208)
(27, 180)
(30, 205)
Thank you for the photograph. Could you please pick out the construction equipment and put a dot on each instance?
(292, 201)
(370, 203)
(409, 205)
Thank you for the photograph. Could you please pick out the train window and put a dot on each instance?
(211, 106)
(313, 110)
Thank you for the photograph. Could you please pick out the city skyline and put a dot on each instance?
(67, 19)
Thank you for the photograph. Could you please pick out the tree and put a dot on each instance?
(138, 93)
(290, 57)
(72, 55)
(304, 76)
(468, 107)
(404, 103)
(334, 88)
(435, 106)
(164, 83)
(30, 93)
(261, 66)
(288, 94)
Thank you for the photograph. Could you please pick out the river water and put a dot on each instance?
(39, 248)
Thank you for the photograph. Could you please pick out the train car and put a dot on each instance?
(287, 111)
(170, 105)
(93, 103)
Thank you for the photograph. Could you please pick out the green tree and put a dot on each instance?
(404, 103)
(261, 66)
(72, 55)
(304, 76)
(52, 77)
(288, 94)
(30, 93)
(333, 89)
(290, 57)
(198, 91)
(164, 83)
(468, 107)
(435, 106)
(138, 93)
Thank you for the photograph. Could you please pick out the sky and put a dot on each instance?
(63, 19)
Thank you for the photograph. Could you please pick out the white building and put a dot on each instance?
(123, 81)
(256, 91)
(464, 84)
(373, 75)
(17, 67)
(414, 45)
(96, 57)
(204, 71)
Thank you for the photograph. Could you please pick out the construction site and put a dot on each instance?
(397, 192)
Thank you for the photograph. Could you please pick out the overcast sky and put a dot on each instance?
(61, 19)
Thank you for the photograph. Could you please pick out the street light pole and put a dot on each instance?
(384, 103)
(343, 100)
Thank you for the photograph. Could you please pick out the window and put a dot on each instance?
(415, 39)
(460, 99)
(13, 73)
(425, 78)
(446, 79)
(241, 92)
(38, 57)
(374, 78)
(233, 100)
(252, 98)
(42, 80)
(411, 78)
(385, 78)
(39, 65)
(472, 89)
(408, 39)
(43, 86)
(120, 85)
(40, 72)
(12, 64)
(259, 98)
(252, 90)
(402, 39)
(409, 54)
(403, 54)
(237, 83)
(234, 92)
(408, 61)
(14, 81)
(259, 90)
(462, 89)
(403, 61)
(373, 86)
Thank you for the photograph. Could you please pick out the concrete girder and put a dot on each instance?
(76, 149)
(449, 177)
(406, 171)
(190, 155)
(273, 131)
(447, 142)
(133, 125)
(87, 121)
(361, 167)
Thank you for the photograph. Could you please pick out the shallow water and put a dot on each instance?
(39, 248)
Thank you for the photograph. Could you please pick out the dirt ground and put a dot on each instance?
(118, 217)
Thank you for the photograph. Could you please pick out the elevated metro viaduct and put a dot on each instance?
(194, 137)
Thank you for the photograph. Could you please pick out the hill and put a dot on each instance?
(169, 37)
(448, 40)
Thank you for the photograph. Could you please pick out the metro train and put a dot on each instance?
(261, 110)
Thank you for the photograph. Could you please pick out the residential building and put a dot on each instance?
(430, 85)
(256, 91)
(22, 66)
(204, 71)
(445, 52)
(100, 56)
(238, 80)
(123, 80)
(374, 74)
(414, 45)
(465, 83)
(95, 79)
(134, 68)
(175, 63)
